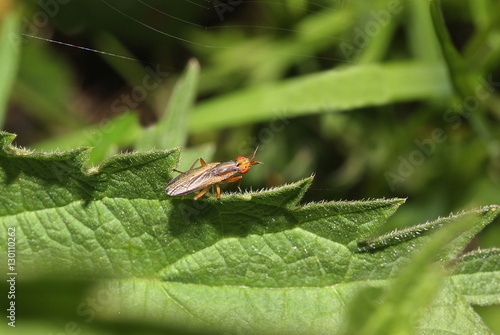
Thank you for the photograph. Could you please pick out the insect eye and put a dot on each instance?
(244, 164)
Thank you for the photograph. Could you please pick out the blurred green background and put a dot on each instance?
(431, 135)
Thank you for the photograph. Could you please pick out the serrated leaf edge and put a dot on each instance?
(400, 234)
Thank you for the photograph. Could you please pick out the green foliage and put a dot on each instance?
(376, 99)
(204, 265)
(336, 90)
(9, 42)
(171, 130)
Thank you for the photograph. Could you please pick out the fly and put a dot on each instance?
(208, 175)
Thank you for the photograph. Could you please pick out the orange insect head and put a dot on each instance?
(244, 163)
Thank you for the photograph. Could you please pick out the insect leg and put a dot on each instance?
(201, 193)
(233, 179)
(217, 187)
(192, 166)
(239, 188)
(202, 162)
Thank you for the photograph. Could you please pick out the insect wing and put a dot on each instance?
(201, 177)
(191, 180)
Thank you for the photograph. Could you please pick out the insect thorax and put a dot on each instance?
(225, 169)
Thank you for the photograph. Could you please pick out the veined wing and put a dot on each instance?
(201, 177)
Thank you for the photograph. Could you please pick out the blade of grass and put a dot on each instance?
(329, 91)
(454, 60)
(9, 58)
(423, 42)
(463, 79)
(171, 129)
(482, 50)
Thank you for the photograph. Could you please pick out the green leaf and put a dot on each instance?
(335, 90)
(417, 285)
(451, 314)
(477, 277)
(404, 240)
(235, 264)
